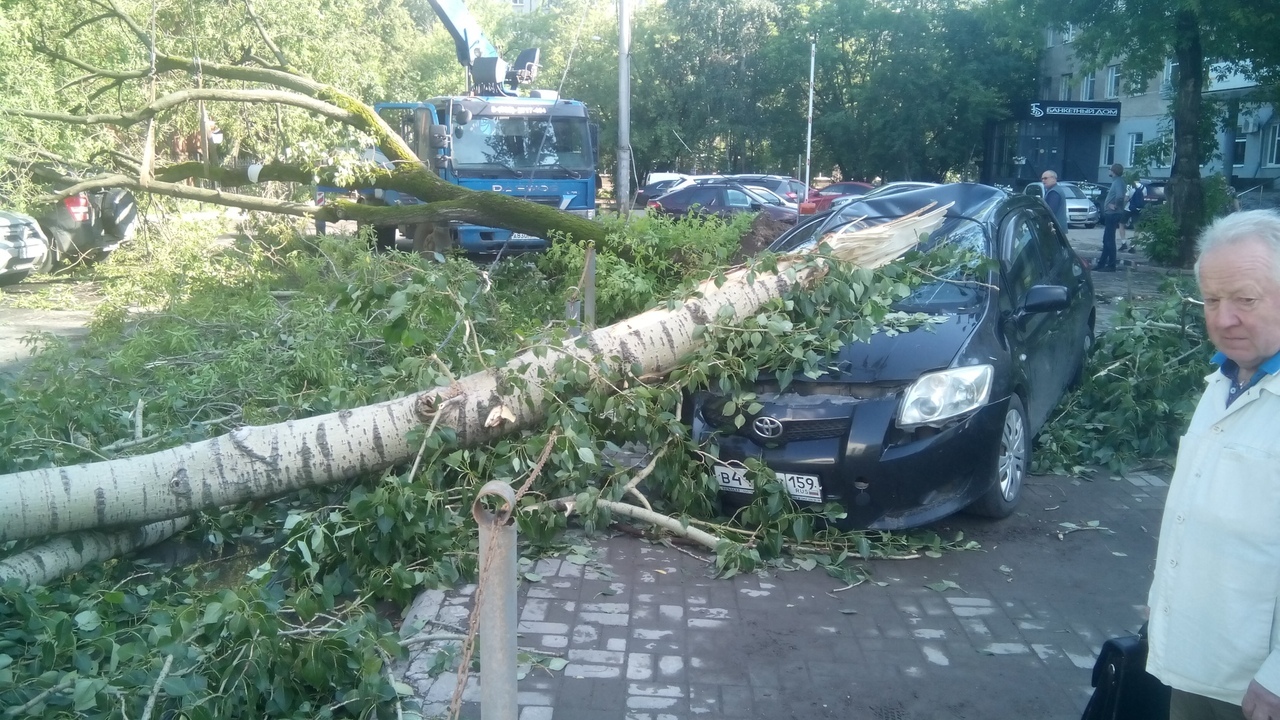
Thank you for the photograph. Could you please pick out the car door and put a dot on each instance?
(701, 200)
(1063, 267)
(736, 201)
(1032, 338)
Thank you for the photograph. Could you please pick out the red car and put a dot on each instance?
(823, 198)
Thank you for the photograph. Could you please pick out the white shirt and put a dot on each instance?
(1215, 624)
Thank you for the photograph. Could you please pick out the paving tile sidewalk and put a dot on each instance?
(650, 635)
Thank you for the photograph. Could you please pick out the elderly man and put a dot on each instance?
(1215, 600)
(1054, 198)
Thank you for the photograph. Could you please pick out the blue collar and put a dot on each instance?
(1231, 370)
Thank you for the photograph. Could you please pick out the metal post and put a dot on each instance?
(497, 602)
(808, 143)
(622, 183)
(589, 289)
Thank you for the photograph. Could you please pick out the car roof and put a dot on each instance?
(968, 200)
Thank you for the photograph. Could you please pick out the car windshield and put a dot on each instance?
(523, 145)
(953, 290)
(1072, 192)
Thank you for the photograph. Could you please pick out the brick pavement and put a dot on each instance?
(649, 634)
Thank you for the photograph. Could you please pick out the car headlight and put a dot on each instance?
(940, 396)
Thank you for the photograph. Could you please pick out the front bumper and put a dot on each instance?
(884, 477)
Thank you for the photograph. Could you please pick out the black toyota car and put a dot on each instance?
(908, 428)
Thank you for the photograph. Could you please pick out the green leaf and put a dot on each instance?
(88, 620)
(587, 455)
(943, 586)
(533, 577)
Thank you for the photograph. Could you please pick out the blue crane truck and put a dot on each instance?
(537, 147)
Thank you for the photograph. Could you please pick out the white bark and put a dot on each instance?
(261, 462)
(48, 561)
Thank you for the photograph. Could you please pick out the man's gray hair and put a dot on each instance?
(1261, 224)
(1051, 173)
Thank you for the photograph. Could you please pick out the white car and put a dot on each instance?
(22, 246)
(1080, 209)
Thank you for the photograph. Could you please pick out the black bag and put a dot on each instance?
(1122, 688)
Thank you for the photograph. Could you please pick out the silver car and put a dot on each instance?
(22, 246)
(1080, 209)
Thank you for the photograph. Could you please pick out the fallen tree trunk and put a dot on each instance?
(48, 561)
(266, 461)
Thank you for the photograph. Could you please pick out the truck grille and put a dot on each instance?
(551, 200)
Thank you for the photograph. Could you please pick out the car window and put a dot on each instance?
(1020, 257)
(832, 190)
(797, 187)
(801, 235)
(736, 198)
(696, 195)
(1071, 192)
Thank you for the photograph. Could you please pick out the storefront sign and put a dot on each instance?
(1067, 109)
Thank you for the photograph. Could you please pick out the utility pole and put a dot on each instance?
(808, 143)
(622, 183)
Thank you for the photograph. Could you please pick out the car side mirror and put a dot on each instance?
(1045, 298)
(757, 206)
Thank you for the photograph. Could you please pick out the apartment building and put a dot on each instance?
(1082, 122)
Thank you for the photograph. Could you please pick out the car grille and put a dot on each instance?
(792, 430)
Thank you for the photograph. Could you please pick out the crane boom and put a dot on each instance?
(487, 72)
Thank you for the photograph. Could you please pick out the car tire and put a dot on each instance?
(1013, 458)
(48, 262)
(1077, 379)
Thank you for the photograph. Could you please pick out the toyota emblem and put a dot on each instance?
(767, 427)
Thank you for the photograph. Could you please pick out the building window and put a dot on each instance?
(1086, 87)
(1271, 147)
(1135, 142)
(1046, 84)
(1051, 38)
(1237, 157)
(1108, 150)
(1113, 82)
(1068, 34)
(1064, 87)
(1170, 70)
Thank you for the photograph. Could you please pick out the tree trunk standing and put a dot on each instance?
(1186, 192)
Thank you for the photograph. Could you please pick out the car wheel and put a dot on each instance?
(1078, 378)
(1013, 457)
(48, 262)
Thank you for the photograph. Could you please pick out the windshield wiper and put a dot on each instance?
(572, 172)
(511, 171)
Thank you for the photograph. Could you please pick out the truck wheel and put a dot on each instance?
(46, 264)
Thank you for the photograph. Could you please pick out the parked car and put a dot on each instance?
(655, 189)
(87, 226)
(901, 186)
(786, 187)
(824, 197)
(22, 246)
(1080, 209)
(907, 428)
(1154, 192)
(720, 198)
(771, 197)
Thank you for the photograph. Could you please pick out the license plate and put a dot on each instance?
(800, 487)
(522, 236)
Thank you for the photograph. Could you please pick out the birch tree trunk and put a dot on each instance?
(265, 461)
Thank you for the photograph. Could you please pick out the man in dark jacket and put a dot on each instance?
(1054, 198)
(1112, 216)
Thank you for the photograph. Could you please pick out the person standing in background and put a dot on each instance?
(1137, 200)
(1054, 198)
(1112, 216)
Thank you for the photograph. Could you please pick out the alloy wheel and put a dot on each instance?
(1013, 454)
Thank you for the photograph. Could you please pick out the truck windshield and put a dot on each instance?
(547, 147)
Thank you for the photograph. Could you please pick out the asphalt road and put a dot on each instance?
(17, 324)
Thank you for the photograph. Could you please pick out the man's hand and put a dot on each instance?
(1260, 703)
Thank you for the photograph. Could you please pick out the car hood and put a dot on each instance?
(904, 357)
(1085, 203)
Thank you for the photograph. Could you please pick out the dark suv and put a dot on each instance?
(87, 226)
(785, 187)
